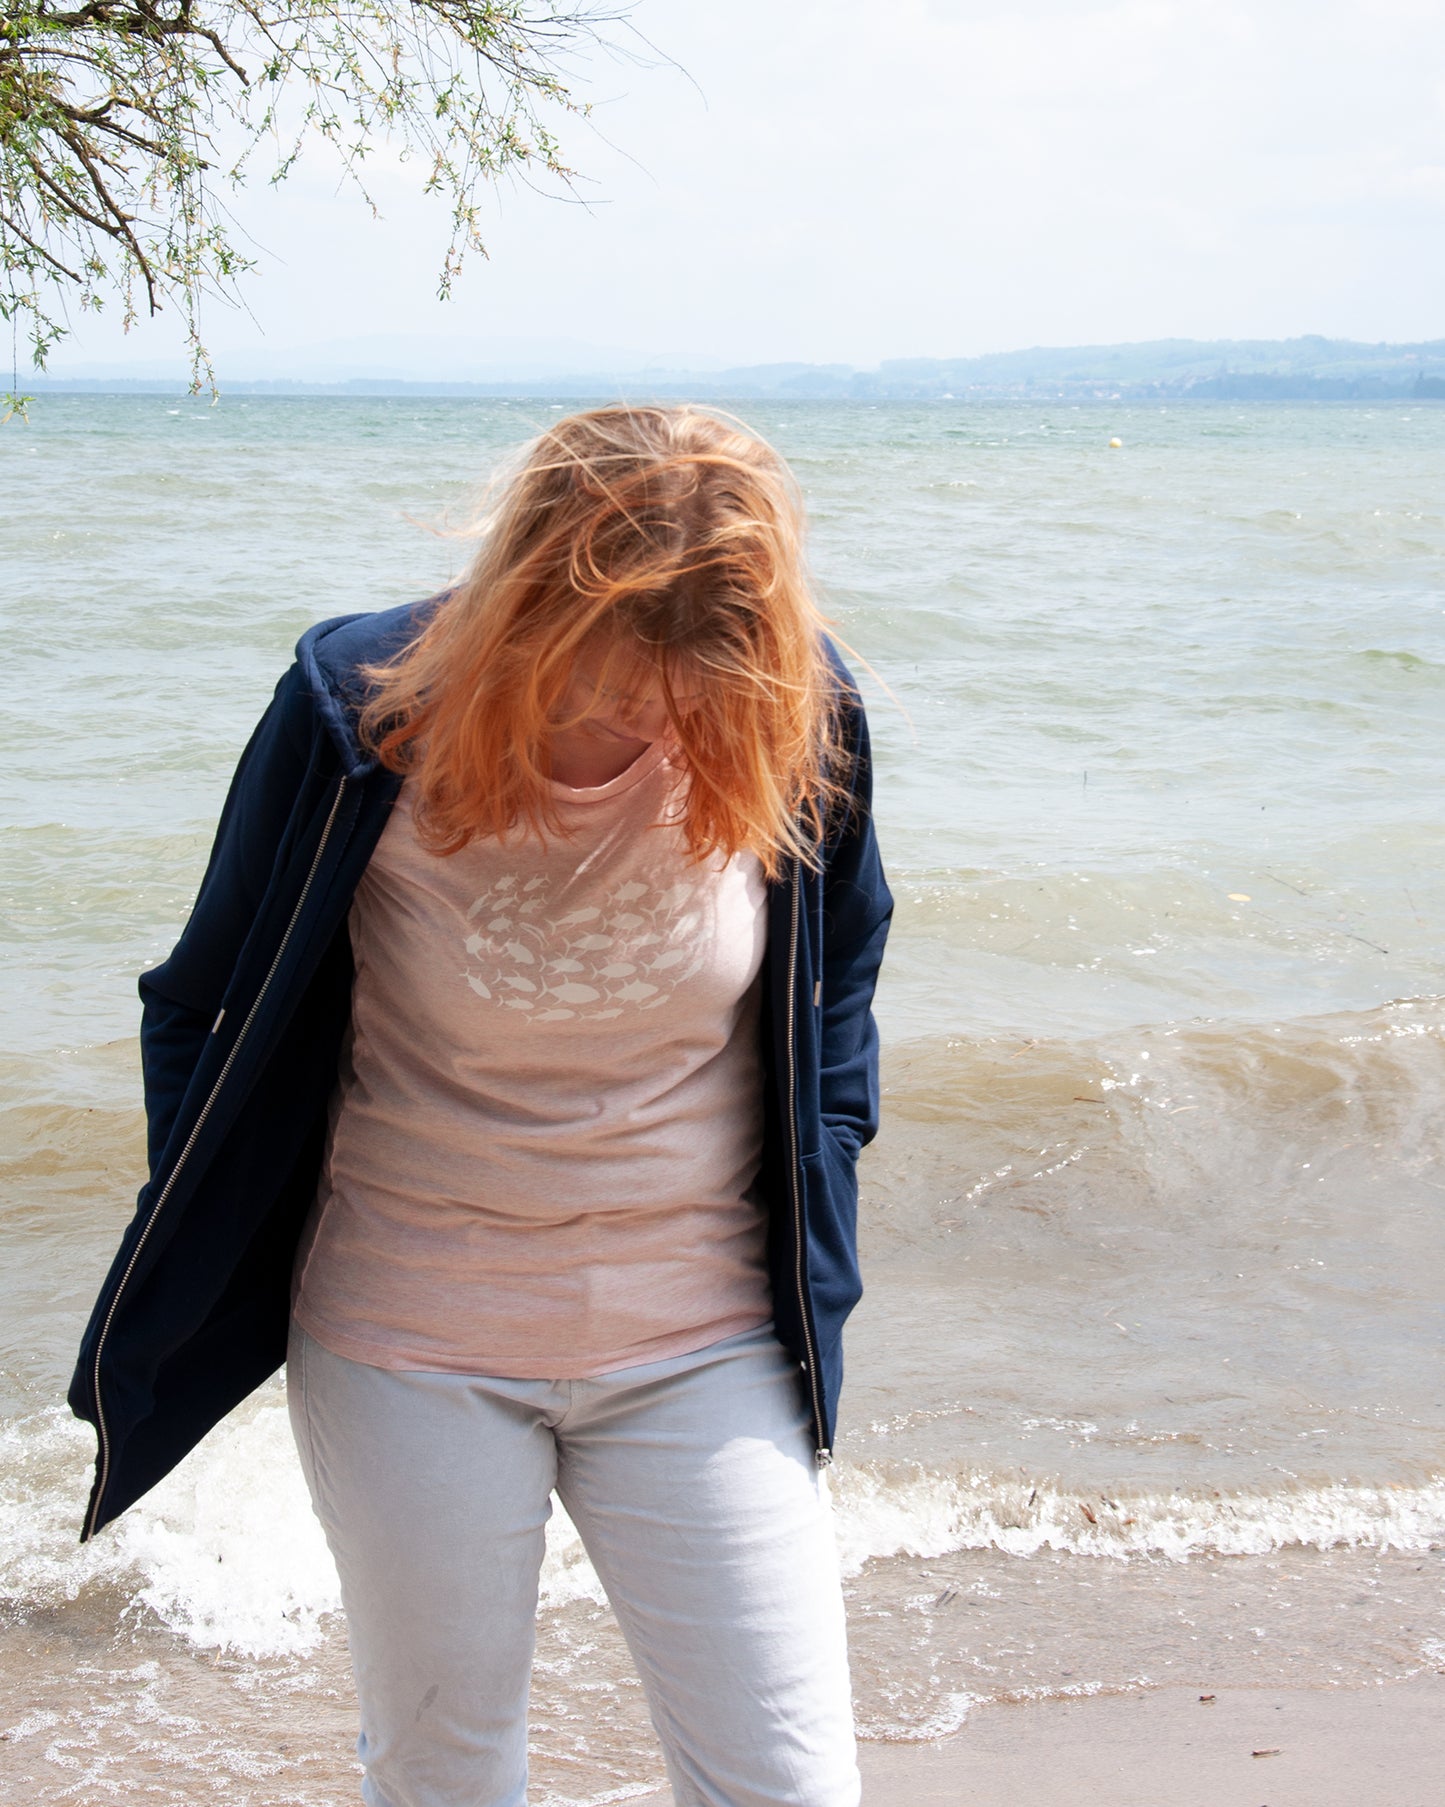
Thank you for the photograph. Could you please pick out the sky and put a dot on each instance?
(837, 182)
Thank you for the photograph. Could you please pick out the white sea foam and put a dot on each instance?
(226, 1551)
(948, 1716)
(634, 1791)
(228, 1546)
(894, 1510)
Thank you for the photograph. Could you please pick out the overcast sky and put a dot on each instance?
(835, 181)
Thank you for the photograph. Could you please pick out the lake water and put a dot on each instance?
(1147, 1383)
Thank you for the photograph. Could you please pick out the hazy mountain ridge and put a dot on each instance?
(1309, 368)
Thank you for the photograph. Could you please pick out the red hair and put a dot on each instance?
(670, 540)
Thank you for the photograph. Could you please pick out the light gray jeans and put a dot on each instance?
(693, 1487)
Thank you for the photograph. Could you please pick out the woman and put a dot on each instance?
(516, 1059)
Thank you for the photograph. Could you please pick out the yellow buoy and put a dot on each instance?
(1239, 896)
(1116, 442)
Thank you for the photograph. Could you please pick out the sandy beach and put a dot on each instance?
(187, 1731)
(1247, 1747)
(1187, 1747)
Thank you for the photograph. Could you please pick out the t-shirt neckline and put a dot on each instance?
(642, 767)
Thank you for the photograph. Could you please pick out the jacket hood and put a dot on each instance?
(333, 655)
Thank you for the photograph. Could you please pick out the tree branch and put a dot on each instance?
(14, 226)
(107, 105)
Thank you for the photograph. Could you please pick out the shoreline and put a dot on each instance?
(1190, 1747)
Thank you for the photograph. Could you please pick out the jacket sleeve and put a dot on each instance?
(857, 907)
(182, 997)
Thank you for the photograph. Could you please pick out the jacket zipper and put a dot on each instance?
(102, 1433)
(810, 1365)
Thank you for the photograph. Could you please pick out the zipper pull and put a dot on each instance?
(817, 993)
(824, 1458)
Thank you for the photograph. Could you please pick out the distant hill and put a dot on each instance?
(1309, 368)
(1304, 369)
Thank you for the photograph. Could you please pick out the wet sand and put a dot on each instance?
(1375, 1747)
(1241, 1747)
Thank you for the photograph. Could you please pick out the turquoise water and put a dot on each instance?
(1154, 1222)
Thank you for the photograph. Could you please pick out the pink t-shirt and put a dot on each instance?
(548, 1123)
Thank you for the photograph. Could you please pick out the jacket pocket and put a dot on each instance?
(830, 1189)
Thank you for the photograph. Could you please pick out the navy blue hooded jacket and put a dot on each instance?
(241, 1035)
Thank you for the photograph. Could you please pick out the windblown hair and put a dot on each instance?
(667, 542)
